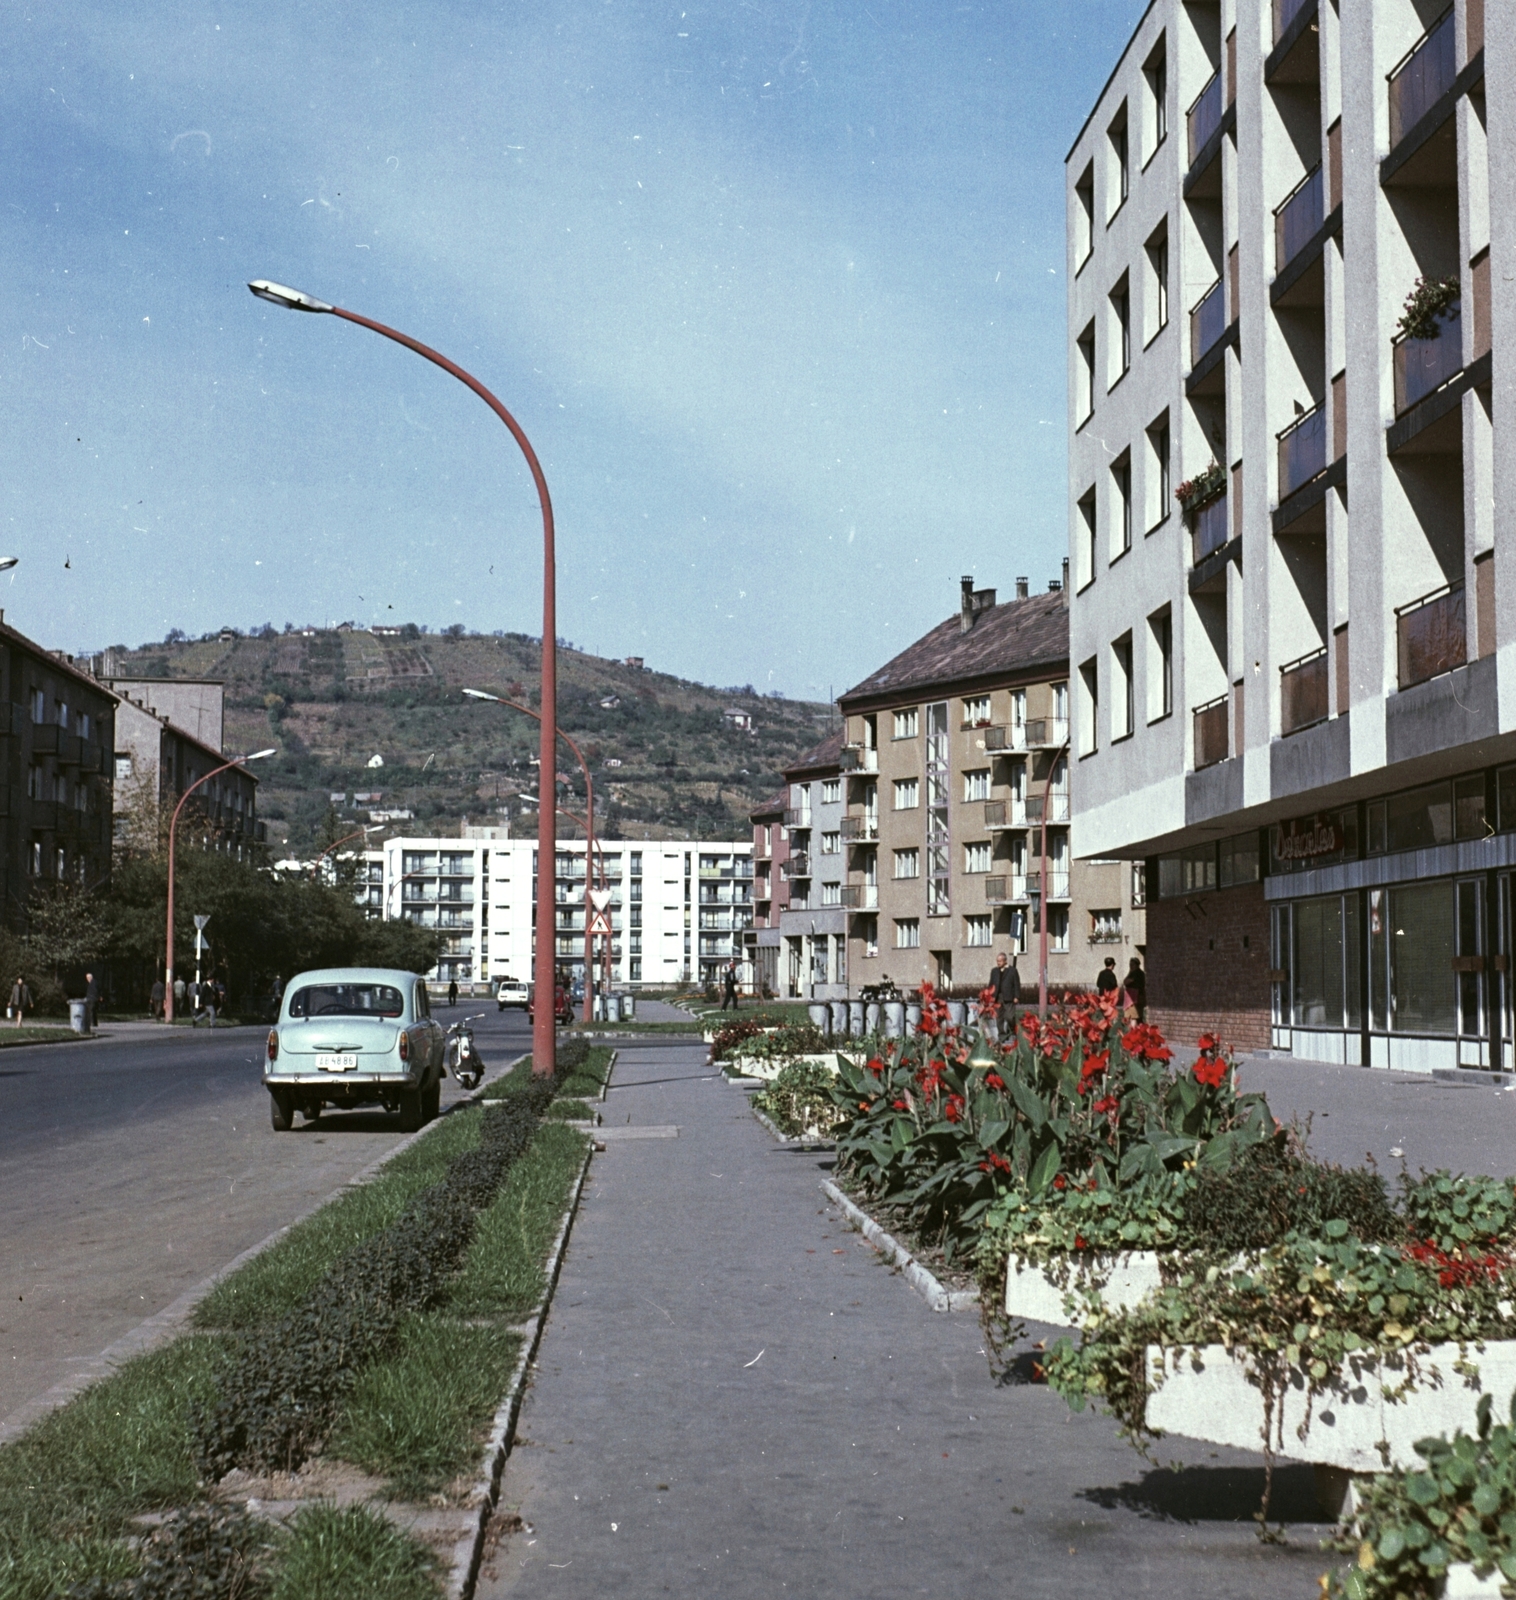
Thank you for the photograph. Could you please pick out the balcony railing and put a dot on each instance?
(1285, 12)
(1422, 77)
(860, 830)
(1424, 365)
(997, 814)
(797, 817)
(859, 758)
(1004, 890)
(1211, 742)
(1303, 692)
(1205, 115)
(1049, 808)
(1207, 320)
(1047, 733)
(1058, 884)
(1302, 450)
(1209, 528)
(861, 896)
(1297, 218)
(1432, 635)
(798, 866)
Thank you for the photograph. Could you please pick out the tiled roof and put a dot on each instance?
(1011, 639)
(774, 806)
(826, 754)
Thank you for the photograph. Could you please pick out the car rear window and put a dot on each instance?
(347, 1000)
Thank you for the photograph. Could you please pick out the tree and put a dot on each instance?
(65, 931)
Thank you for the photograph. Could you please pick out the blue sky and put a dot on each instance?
(776, 288)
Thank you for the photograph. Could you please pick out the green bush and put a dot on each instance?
(800, 1100)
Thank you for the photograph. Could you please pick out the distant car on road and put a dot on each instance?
(563, 1006)
(351, 1036)
(512, 992)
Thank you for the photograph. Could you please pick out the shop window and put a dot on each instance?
(1468, 808)
(1191, 871)
(1505, 798)
(1419, 818)
(1316, 942)
(1239, 860)
(1418, 937)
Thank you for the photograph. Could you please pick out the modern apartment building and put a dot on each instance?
(1293, 625)
(678, 908)
(771, 891)
(813, 923)
(956, 772)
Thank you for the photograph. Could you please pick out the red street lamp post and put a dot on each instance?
(589, 825)
(544, 1036)
(337, 844)
(168, 964)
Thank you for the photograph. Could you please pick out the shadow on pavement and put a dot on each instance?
(1215, 1494)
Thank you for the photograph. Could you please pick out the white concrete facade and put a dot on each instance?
(1268, 672)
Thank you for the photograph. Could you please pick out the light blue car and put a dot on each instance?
(352, 1036)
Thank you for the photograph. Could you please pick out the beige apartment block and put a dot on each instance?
(1291, 301)
(958, 805)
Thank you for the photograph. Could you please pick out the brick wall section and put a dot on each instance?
(1208, 966)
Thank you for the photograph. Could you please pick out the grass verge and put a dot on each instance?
(354, 1554)
(13, 1036)
(275, 1282)
(588, 1078)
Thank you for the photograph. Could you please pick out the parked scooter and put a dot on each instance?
(459, 1055)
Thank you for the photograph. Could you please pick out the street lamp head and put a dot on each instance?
(480, 694)
(7, 562)
(258, 755)
(291, 299)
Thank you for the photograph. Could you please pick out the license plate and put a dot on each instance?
(336, 1063)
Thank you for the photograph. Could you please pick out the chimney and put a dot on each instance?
(1023, 588)
(973, 601)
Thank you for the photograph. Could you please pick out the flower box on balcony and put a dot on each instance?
(1194, 492)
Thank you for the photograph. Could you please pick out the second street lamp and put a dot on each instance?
(544, 1034)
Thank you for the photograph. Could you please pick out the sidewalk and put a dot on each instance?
(736, 1398)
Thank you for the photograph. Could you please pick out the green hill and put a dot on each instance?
(666, 763)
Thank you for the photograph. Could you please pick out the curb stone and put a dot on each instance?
(469, 1551)
(166, 1324)
(923, 1282)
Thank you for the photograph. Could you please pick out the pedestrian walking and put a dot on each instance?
(155, 1000)
(179, 992)
(452, 991)
(1005, 991)
(21, 999)
(729, 987)
(1134, 992)
(1108, 982)
(209, 997)
(91, 1001)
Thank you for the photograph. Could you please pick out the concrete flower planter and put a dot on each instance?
(1463, 1585)
(760, 1067)
(1350, 1426)
(1123, 1280)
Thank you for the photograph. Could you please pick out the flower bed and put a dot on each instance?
(799, 1101)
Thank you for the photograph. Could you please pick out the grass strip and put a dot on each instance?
(13, 1036)
(274, 1283)
(568, 1111)
(503, 1273)
(689, 1026)
(69, 1485)
(417, 1416)
(352, 1554)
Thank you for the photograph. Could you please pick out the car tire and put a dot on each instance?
(431, 1101)
(411, 1110)
(311, 1111)
(281, 1109)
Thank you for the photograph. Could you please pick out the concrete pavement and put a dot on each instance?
(133, 1167)
(735, 1397)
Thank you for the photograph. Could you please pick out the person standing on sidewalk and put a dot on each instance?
(452, 991)
(21, 998)
(729, 987)
(155, 1000)
(1005, 990)
(178, 996)
(91, 1000)
(1107, 982)
(1134, 992)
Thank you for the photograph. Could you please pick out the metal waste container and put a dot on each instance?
(78, 1011)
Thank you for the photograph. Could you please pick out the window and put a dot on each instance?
(939, 864)
(39, 706)
(1119, 350)
(84, 725)
(1159, 488)
(1089, 707)
(60, 863)
(1157, 308)
(62, 713)
(1121, 523)
(123, 769)
(1083, 213)
(869, 932)
(34, 863)
(1018, 710)
(908, 933)
(1085, 533)
(907, 793)
(1155, 74)
(1105, 927)
(36, 782)
(60, 788)
(1160, 665)
(831, 843)
(977, 931)
(1139, 884)
(907, 863)
(1123, 719)
(976, 856)
(831, 791)
(831, 894)
(1121, 175)
(907, 723)
(976, 784)
(1058, 928)
(839, 957)
(1084, 375)
(976, 712)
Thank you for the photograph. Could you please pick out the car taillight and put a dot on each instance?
(405, 1045)
(273, 1044)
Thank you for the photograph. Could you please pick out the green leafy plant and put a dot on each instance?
(800, 1102)
(1425, 305)
(1194, 492)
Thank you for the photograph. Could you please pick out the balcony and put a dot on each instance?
(1058, 884)
(1005, 890)
(742, 868)
(1209, 529)
(798, 866)
(861, 896)
(1055, 805)
(1207, 321)
(1302, 450)
(1211, 741)
(1285, 12)
(1422, 77)
(1047, 733)
(1204, 116)
(1431, 635)
(1297, 218)
(797, 817)
(1303, 692)
(860, 830)
(860, 758)
(1424, 365)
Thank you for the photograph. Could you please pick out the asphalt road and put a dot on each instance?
(134, 1166)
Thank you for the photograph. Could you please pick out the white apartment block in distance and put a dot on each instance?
(678, 908)
(1292, 296)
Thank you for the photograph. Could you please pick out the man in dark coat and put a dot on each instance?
(729, 987)
(1005, 990)
(91, 1000)
(1107, 982)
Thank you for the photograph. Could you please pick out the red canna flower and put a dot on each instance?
(901, 1105)
(875, 1065)
(953, 1110)
(1208, 1042)
(1145, 1042)
(994, 1081)
(1060, 1182)
(1106, 1103)
(1210, 1071)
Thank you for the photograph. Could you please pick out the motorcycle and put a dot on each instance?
(459, 1055)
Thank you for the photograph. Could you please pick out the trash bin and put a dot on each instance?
(613, 1008)
(913, 1015)
(855, 1018)
(820, 1014)
(894, 1018)
(871, 1019)
(628, 1007)
(956, 1010)
(839, 1018)
(78, 1011)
